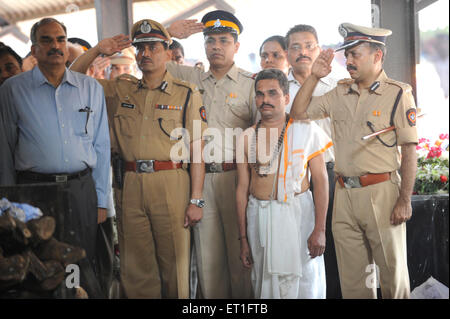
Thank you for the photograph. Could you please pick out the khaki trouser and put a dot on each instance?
(220, 271)
(154, 246)
(363, 235)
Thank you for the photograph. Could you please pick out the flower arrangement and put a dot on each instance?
(432, 166)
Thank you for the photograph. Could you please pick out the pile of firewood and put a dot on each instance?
(31, 259)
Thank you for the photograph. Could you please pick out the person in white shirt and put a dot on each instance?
(302, 50)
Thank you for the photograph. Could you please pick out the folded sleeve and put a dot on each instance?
(319, 107)
(405, 118)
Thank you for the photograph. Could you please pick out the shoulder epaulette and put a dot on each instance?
(247, 74)
(346, 81)
(186, 84)
(405, 86)
(127, 77)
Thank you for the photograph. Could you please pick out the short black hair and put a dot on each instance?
(40, 23)
(6, 50)
(378, 46)
(274, 74)
(301, 28)
(175, 45)
(274, 38)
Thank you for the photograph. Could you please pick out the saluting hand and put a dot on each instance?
(182, 29)
(98, 67)
(322, 66)
(115, 44)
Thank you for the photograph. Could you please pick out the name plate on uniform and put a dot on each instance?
(128, 105)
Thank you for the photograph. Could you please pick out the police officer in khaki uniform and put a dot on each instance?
(156, 208)
(228, 96)
(371, 203)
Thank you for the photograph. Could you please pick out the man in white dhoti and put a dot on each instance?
(282, 233)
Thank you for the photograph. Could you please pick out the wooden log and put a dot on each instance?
(14, 235)
(55, 275)
(14, 268)
(42, 229)
(23, 234)
(7, 224)
(6, 286)
(37, 268)
(80, 293)
(64, 253)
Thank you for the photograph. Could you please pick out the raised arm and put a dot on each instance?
(107, 47)
(181, 29)
(320, 69)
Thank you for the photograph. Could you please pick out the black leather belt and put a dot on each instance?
(58, 178)
(330, 165)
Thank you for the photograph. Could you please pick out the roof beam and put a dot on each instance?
(422, 4)
(14, 30)
(49, 10)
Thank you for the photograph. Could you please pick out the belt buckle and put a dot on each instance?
(145, 166)
(213, 167)
(351, 182)
(61, 178)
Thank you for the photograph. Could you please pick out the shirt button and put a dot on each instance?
(65, 142)
(146, 118)
(67, 161)
(59, 109)
(62, 125)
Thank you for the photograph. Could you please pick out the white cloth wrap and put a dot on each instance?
(304, 140)
(278, 233)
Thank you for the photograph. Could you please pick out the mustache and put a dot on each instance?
(146, 60)
(351, 67)
(265, 104)
(55, 51)
(301, 56)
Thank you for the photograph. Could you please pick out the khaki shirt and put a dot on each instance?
(229, 103)
(140, 117)
(350, 110)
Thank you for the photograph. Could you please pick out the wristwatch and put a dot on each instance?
(198, 202)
